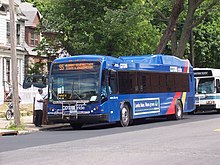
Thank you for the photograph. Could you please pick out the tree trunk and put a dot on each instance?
(187, 28)
(174, 43)
(177, 9)
(192, 53)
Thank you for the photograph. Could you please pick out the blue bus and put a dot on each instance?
(134, 87)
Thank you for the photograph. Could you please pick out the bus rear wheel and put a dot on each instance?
(125, 116)
(178, 111)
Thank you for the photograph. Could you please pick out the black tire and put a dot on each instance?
(125, 118)
(191, 113)
(8, 114)
(76, 126)
(178, 111)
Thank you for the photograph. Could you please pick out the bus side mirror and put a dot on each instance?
(28, 81)
(39, 81)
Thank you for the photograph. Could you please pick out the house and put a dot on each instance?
(32, 37)
(5, 52)
(27, 19)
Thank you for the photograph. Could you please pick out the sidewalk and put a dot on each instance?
(29, 127)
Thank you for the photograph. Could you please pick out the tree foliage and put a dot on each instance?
(188, 20)
(36, 68)
(130, 27)
(102, 27)
(207, 42)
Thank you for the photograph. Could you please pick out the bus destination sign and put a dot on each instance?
(75, 66)
(198, 73)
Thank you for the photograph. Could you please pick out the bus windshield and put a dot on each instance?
(206, 86)
(74, 84)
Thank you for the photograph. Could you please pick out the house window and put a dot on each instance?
(34, 39)
(2, 8)
(8, 70)
(8, 32)
(18, 33)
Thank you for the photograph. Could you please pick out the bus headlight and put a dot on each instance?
(52, 109)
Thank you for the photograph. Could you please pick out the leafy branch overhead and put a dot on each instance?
(189, 21)
(132, 27)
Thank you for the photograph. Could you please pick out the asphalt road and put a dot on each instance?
(193, 140)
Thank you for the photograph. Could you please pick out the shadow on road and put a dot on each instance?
(145, 123)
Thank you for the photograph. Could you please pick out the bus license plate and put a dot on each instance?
(70, 108)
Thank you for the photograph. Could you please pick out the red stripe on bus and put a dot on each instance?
(171, 109)
(186, 67)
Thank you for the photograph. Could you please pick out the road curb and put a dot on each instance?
(8, 132)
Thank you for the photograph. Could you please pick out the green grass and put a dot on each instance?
(2, 115)
(25, 109)
(12, 126)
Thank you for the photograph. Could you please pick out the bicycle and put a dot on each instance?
(9, 114)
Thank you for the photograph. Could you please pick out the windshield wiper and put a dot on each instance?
(74, 93)
(54, 94)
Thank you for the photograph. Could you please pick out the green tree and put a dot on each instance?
(127, 27)
(101, 27)
(36, 69)
(40, 4)
(207, 42)
(187, 18)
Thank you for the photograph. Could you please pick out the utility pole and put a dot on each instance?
(13, 41)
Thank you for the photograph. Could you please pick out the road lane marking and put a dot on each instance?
(217, 130)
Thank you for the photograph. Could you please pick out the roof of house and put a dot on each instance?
(30, 12)
(6, 2)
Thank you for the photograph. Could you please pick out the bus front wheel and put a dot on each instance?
(125, 116)
(76, 126)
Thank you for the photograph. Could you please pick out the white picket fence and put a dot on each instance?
(26, 95)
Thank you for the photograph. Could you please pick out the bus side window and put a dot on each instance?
(217, 86)
(113, 81)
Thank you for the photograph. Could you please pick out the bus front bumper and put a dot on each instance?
(85, 118)
(206, 107)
